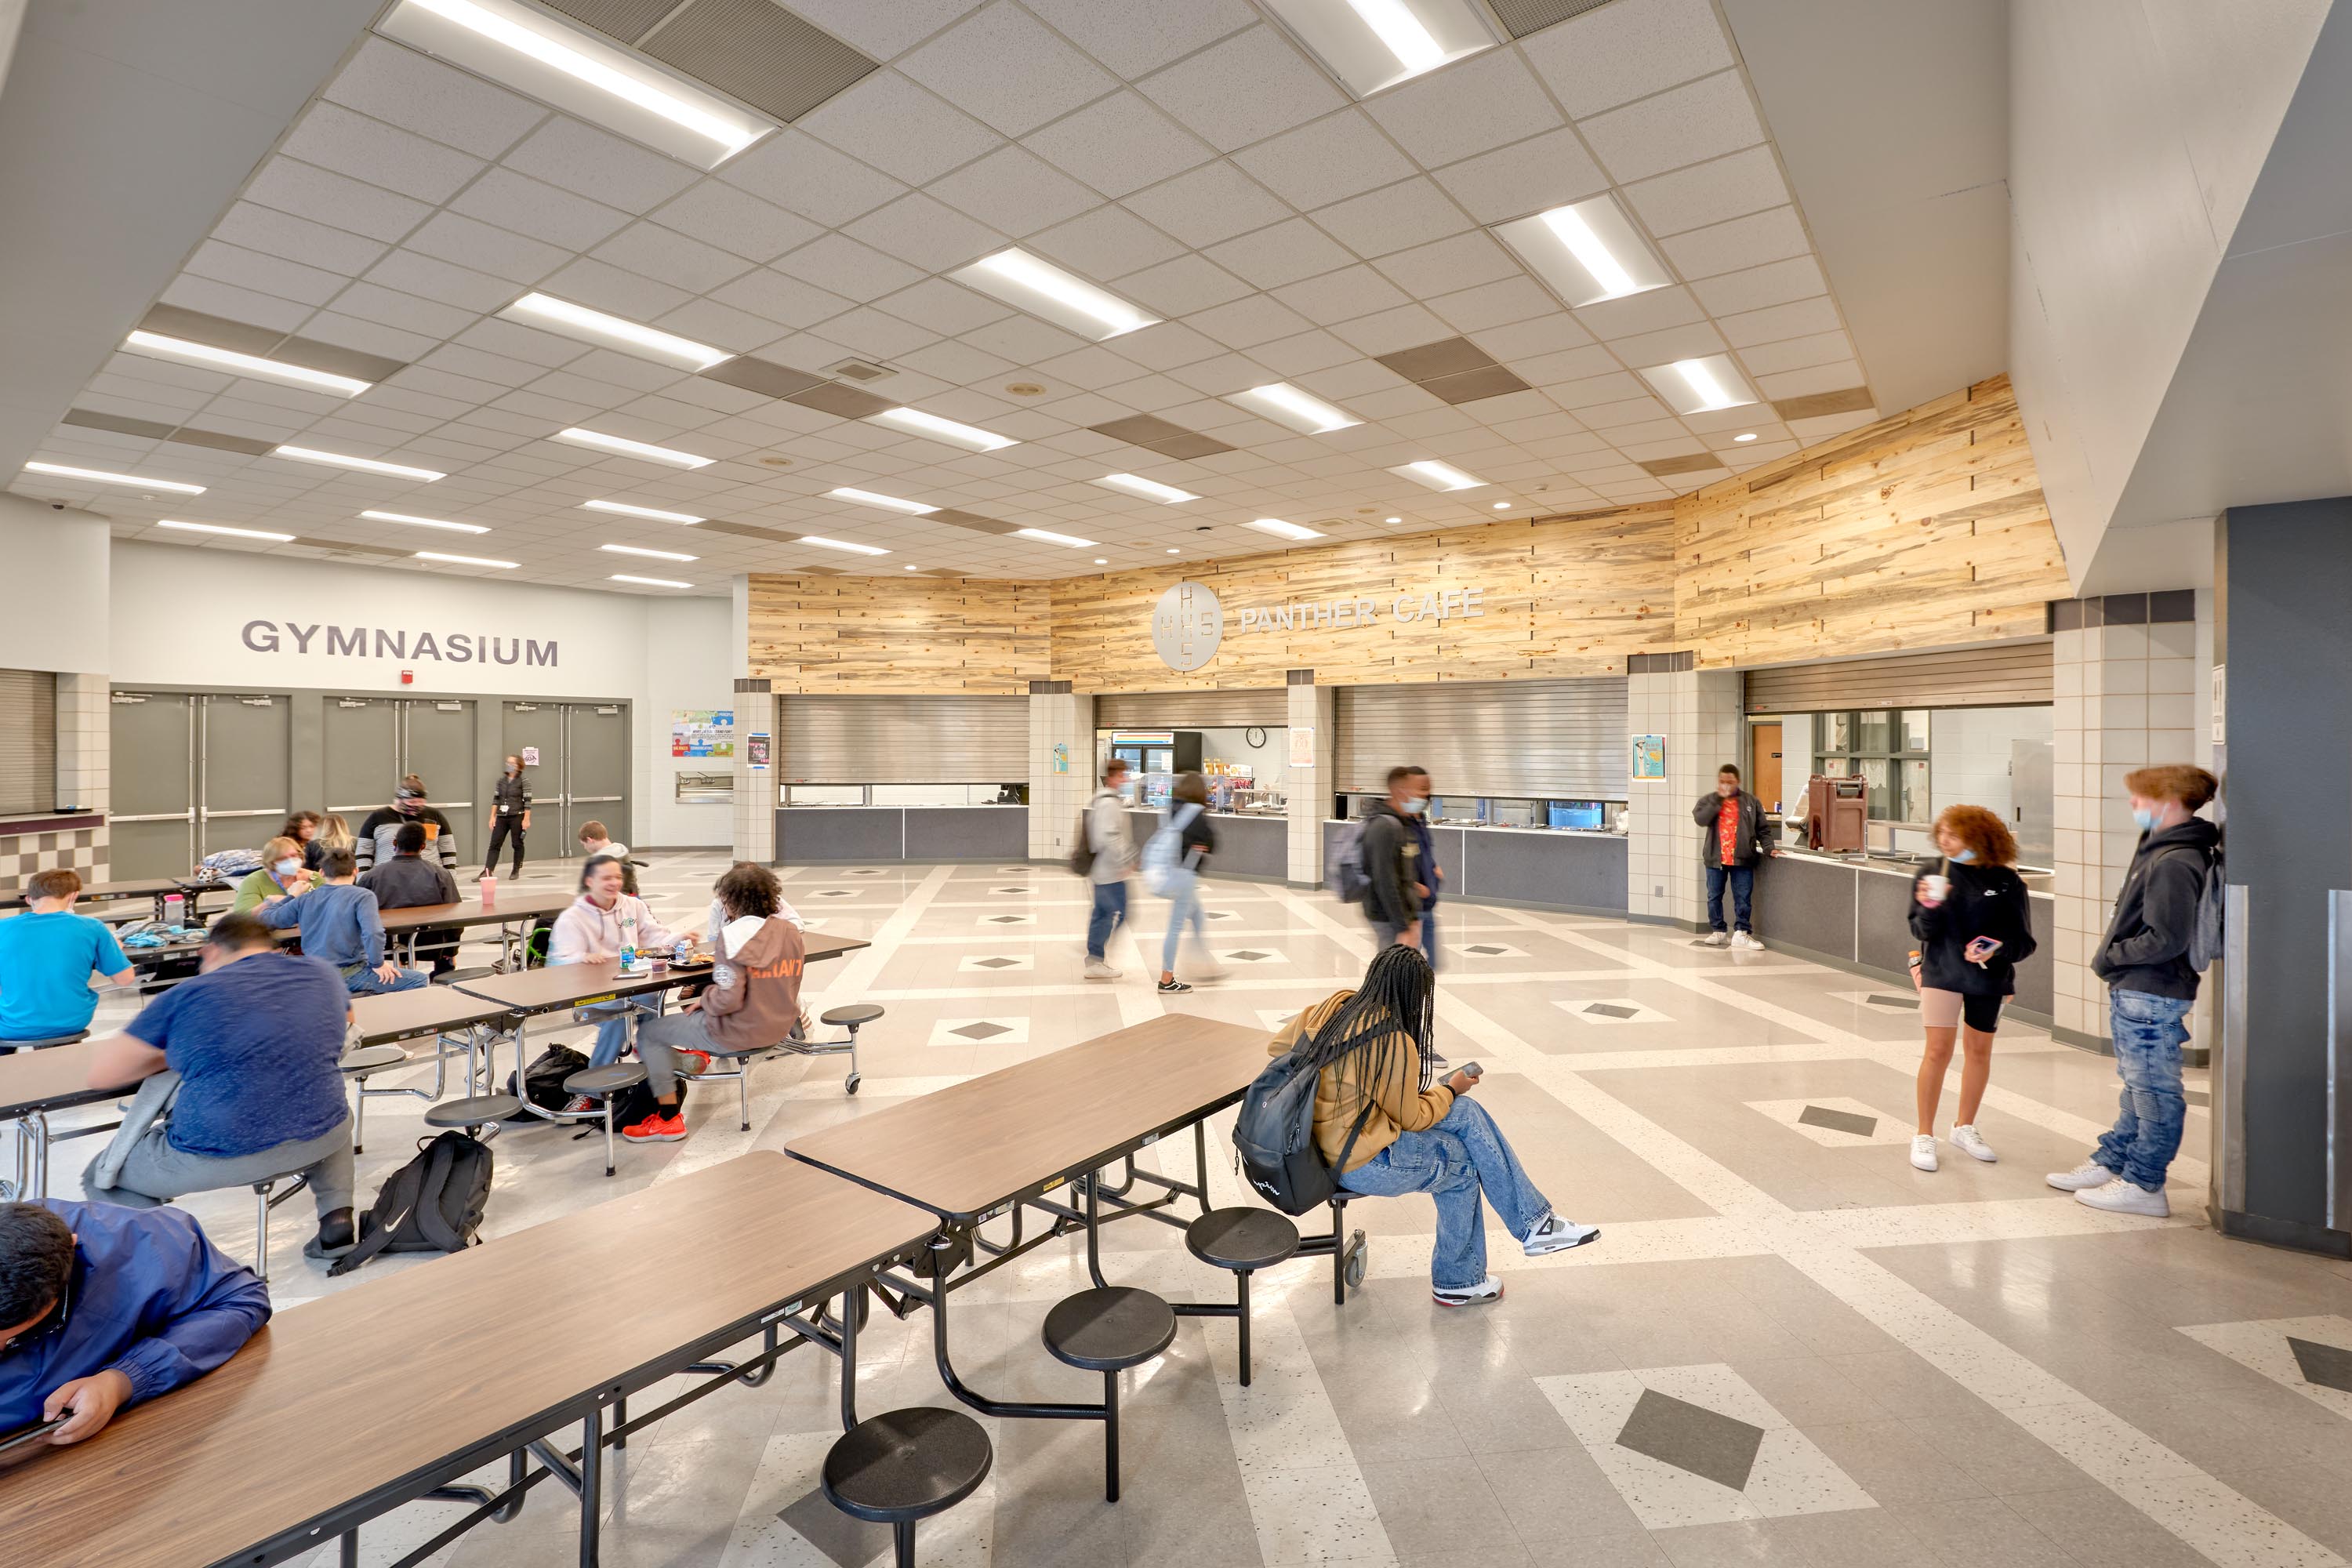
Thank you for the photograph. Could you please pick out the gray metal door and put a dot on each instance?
(152, 828)
(245, 749)
(596, 768)
(437, 744)
(359, 761)
(538, 727)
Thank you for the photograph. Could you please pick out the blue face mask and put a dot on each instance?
(1964, 855)
(1416, 807)
(2143, 818)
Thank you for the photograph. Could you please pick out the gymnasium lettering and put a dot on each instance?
(378, 642)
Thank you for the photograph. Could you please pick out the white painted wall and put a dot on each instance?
(1969, 752)
(55, 614)
(688, 664)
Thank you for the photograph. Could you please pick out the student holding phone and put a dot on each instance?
(1970, 916)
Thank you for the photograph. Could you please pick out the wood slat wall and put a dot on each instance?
(881, 635)
(1923, 530)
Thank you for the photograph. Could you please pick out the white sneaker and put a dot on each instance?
(2120, 1196)
(1747, 940)
(1969, 1141)
(1098, 970)
(1923, 1150)
(1487, 1290)
(2082, 1178)
(1558, 1235)
(1715, 939)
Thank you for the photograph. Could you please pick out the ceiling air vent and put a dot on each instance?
(858, 370)
(1520, 18)
(757, 51)
(626, 20)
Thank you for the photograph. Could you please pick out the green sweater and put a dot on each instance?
(257, 887)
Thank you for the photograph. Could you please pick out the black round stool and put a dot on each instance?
(605, 1084)
(1244, 1240)
(849, 1016)
(905, 1464)
(1108, 1331)
(475, 1112)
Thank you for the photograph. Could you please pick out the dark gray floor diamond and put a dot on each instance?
(1489, 951)
(1250, 956)
(852, 1543)
(1911, 1002)
(836, 893)
(1008, 890)
(982, 1031)
(1223, 914)
(1838, 1120)
(1692, 1438)
(1006, 919)
(2329, 1366)
(864, 873)
(993, 962)
(1610, 1010)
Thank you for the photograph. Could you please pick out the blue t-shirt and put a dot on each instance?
(44, 966)
(256, 1044)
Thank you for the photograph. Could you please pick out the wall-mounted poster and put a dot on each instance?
(531, 756)
(701, 732)
(1649, 758)
(755, 751)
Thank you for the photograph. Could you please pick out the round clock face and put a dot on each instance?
(1187, 625)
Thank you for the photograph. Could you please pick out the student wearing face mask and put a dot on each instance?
(281, 877)
(1392, 851)
(1971, 915)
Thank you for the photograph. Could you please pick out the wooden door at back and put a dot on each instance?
(1764, 763)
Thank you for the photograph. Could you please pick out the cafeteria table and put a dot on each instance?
(161, 890)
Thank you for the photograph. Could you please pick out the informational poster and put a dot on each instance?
(2221, 704)
(1302, 746)
(701, 732)
(531, 756)
(1649, 758)
(1061, 758)
(755, 751)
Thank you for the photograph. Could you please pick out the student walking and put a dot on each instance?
(2151, 986)
(1114, 857)
(1970, 916)
(1728, 849)
(510, 817)
(1173, 869)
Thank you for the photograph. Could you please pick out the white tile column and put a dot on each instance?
(84, 776)
(756, 712)
(1310, 800)
(1061, 765)
(1698, 711)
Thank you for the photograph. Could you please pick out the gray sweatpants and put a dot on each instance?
(155, 1173)
(658, 1042)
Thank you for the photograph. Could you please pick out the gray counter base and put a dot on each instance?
(867, 835)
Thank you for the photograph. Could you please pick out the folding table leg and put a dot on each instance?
(592, 1473)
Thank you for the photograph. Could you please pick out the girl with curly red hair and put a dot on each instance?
(1970, 914)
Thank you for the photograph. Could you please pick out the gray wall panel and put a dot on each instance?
(1570, 872)
(1808, 902)
(967, 833)
(839, 833)
(1884, 926)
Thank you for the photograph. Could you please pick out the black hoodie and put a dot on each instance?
(2146, 945)
(1392, 853)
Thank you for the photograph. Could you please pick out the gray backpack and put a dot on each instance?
(2205, 935)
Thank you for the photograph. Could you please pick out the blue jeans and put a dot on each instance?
(1110, 910)
(2148, 1035)
(1183, 903)
(612, 1032)
(1465, 1154)
(361, 982)
(1743, 886)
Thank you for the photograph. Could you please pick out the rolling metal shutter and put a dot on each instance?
(1192, 710)
(1526, 738)
(903, 740)
(2005, 675)
(28, 764)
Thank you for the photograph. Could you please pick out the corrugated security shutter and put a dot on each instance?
(904, 740)
(2007, 675)
(28, 761)
(1524, 738)
(1192, 710)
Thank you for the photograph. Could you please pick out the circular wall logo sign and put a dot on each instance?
(1187, 625)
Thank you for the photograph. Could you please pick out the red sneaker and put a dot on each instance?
(658, 1129)
(693, 1063)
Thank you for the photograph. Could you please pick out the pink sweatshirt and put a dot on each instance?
(586, 934)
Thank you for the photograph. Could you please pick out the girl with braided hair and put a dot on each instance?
(1386, 1126)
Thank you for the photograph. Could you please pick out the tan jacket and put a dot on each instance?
(1399, 1103)
(758, 1000)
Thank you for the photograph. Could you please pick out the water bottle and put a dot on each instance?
(683, 953)
(628, 957)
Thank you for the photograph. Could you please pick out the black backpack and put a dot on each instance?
(1275, 1134)
(542, 1081)
(433, 1204)
(638, 1103)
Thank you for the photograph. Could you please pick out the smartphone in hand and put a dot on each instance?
(32, 1433)
(1475, 1069)
(1981, 949)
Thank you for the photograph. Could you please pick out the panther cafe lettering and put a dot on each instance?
(1433, 607)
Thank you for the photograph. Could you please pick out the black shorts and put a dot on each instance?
(1950, 1009)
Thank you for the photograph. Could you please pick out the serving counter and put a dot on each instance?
(816, 834)
(1250, 848)
(1569, 869)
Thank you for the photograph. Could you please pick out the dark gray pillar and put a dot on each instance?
(2283, 633)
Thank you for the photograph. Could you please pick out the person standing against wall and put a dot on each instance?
(1728, 849)
(510, 817)
(1114, 857)
(1970, 916)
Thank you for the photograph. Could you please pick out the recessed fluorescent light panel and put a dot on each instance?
(1042, 288)
(1149, 490)
(425, 522)
(157, 346)
(1373, 44)
(1045, 536)
(654, 554)
(652, 581)
(1438, 476)
(628, 448)
(596, 327)
(1588, 252)
(466, 560)
(842, 544)
(625, 510)
(1700, 386)
(1282, 530)
(915, 422)
(1286, 405)
(101, 477)
(232, 532)
(364, 465)
(606, 85)
(887, 503)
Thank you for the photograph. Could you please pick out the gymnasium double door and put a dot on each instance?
(582, 774)
(367, 744)
(194, 772)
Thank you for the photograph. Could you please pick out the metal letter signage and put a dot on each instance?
(1188, 626)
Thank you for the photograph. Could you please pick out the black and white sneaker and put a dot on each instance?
(1558, 1235)
(1169, 987)
(1487, 1290)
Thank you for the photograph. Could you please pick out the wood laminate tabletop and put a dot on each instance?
(960, 1150)
(427, 1010)
(511, 904)
(127, 888)
(572, 985)
(50, 1079)
(348, 1403)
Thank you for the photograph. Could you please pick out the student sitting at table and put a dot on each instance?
(1385, 1128)
(596, 845)
(409, 882)
(374, 841)
(341, 926)
(47, 957)
(281, 876)
(304, 828)
(258, 1041)
(602, 921)
(102, 1306)
(754, 1002)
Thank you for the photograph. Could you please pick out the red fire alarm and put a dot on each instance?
(408, 678)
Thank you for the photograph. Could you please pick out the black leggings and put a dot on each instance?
(499, 829)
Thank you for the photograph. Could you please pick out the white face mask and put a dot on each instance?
(287, 868)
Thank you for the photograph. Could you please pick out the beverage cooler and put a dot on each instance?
(1156, 757)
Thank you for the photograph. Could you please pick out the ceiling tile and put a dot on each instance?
(838, 263)
(735, 221)
(788, 301)
(297, 240)
(1282, 254)
(322, 197)
(1002, 66)
(1409, 213)
(402, 88)
(957, 363)
(1257, 319)
(1799, 278)
(1692, 339)
(1687, 125)
(1342, 295)
(1811, 382)
(1802, 319)
(589, 162)
(900, 128)
(1212, 202)
(1166, 346)
(391, 308)
(1745, 182)
(515, 341)
(1537, 335)
(264, 274)
(1465, 108)
(617, 290)
(1614, 54)
(662, 253)
(916, 229)
(1329, 159)
(1119, 144)
(875, 336)
(882, 31)
(1023, 340)
(1542, 171)
(1649, 313)
(540, 210)
(332, 137)
(943, 306)
(803, 175)
(497, 251)
(368, 337)
(1180, 286)
(1244, 89)
(430, 277)
(1797, 353)
(1562, 366)
(1133, 36)
(1443, 265)
(1388, 332)
(1107, 243)
(1751, 241)
(1013, 191)
(1493, 304)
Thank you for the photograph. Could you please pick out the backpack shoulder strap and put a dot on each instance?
(384, 1218)
(432, 1225)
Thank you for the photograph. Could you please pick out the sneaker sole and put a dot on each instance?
(1563, 1247)
(1465, 1300)
(655, 1138)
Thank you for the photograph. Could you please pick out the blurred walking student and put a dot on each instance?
(1172, 869)
(1971, 915)
(1113, 857)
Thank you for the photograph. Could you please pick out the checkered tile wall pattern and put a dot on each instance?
(82, 849)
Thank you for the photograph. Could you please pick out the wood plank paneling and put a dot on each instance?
(879, 634)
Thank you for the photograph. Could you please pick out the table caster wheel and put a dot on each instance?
(1358, 1251)
(850, 1083)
